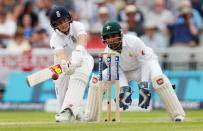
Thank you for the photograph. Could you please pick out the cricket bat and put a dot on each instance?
(43, 75)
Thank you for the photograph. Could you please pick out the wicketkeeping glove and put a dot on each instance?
(125, 97)
(144, 95)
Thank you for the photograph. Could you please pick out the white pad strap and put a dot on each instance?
(91, 113)
(167, 95)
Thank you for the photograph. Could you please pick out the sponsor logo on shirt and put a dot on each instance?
(73, 39)
(130, 55)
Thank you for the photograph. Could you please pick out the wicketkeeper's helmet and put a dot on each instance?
(112, 29)
(59, 13)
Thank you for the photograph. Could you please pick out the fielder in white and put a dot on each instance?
(137, 62)
(68, 43)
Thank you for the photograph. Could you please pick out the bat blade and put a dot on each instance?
(43, 75)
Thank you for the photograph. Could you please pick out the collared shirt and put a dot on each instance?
(134, 53)
(68, 42)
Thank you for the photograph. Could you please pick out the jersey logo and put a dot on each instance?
(58, 14)
(142, 52)
(130, 55)
(73, 39)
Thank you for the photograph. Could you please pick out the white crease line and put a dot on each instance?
(26, 123)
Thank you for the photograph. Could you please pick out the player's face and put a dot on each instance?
(114, 42)
(63, 25)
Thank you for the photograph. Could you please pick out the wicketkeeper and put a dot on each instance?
(137, 62)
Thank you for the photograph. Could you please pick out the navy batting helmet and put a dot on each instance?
(59, 13)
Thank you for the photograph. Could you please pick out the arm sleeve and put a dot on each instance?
(79, 28)
(142, 52)
(56, 42)
(148, 60)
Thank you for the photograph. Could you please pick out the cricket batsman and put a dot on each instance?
(69, 46)
(137, 62)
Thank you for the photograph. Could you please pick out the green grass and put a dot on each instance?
(130, 121)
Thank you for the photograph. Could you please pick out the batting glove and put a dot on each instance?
(67, 67)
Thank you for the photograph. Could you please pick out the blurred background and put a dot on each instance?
(173, 28)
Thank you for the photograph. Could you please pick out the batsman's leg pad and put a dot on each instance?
(91, 113)
(165, 90)
(77, 84)
(74, 95)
